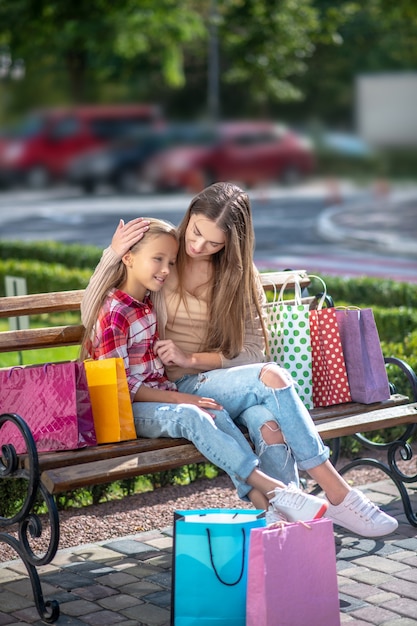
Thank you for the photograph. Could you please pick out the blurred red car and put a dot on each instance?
(40, 149)
(244, 152)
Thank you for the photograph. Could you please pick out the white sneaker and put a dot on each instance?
(294, 505)
(361, 516)
(272, 517)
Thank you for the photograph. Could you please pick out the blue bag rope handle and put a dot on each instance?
(214, 567)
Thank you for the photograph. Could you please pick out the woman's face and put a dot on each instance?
(203, 238)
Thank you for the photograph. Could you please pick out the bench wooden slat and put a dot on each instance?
(271, 279)
(367, 422)
(355, 408)
(34, 338)
(67, 458)
(109, 470)
(32, 304)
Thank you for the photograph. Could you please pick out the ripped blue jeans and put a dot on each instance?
(251, 403)
(218, 439)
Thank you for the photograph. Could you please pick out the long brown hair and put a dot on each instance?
(116, 277)
(234, 292)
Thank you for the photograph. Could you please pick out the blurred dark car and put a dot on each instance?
(121, 164)
(39, 150)
(117, 165)
(245, 152)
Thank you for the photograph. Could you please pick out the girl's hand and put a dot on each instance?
(207, 404)
(170, 354)
(126, 235)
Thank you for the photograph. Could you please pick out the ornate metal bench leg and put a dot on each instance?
(29, 524)
(395, 450)
(393, 472)
(399, 449)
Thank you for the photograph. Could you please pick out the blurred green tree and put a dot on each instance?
(354, 38)
(269, 52)
(85, 43)
(147, 49)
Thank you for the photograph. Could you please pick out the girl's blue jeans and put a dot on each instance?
(251, 403)
(218, 438)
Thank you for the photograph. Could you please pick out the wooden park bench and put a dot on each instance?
(53, 473)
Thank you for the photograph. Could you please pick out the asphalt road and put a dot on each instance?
(285, 224)
(284, 220)
(279, 224)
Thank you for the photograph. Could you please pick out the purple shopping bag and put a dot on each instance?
(54, 401)
(364, 360)
(292, 577)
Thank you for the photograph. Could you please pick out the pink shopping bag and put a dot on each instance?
(292, 576)
(54, 401)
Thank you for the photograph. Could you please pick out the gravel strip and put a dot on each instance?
(134, 514)
(153, 510)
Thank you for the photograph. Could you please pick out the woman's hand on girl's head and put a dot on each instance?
(126, 235)
(170, 354)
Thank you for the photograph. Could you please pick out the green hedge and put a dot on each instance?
(364, 291)
(395, 324)
(44, 277)
(69, 255)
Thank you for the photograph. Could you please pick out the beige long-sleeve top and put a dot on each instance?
(182, 322)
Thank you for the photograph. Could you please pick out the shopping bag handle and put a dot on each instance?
(297, 289)
(21, 367)
(351, 307)
(323, 297)
(224, 582)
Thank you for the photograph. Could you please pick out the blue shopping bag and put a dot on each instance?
(210, 559)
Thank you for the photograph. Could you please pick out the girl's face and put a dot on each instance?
(149, 266)
(203, 238)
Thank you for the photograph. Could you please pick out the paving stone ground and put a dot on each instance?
(128, 581)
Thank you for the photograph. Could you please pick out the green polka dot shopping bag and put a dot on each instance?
(289, 338)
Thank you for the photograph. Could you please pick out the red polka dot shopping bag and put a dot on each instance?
(330, 380)
(289, 338)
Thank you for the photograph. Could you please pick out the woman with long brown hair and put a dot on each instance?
(212, 343)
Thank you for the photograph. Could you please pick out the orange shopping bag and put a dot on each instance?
(110, 400)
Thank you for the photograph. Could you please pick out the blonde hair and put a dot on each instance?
(233, 292)
(117, 275)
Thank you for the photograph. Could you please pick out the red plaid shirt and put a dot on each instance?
(127, 328)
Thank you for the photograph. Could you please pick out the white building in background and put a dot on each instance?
(386, 109)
